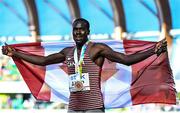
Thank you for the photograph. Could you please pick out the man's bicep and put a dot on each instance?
(112, 55)
(105, 51)
(55, 58)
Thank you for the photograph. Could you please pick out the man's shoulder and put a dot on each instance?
(66, 50)
(98, 44)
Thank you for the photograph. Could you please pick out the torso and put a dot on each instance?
(92, 98)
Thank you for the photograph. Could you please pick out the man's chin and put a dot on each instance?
(78, 42)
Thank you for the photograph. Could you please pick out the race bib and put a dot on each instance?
(76, 84)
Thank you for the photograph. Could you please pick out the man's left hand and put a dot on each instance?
(161, 47)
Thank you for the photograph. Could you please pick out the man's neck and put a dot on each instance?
(79, 46)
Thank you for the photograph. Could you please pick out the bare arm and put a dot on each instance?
(114, 56)
(38, 60)
(41, 60)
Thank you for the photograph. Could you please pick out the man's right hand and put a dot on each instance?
(7, 50)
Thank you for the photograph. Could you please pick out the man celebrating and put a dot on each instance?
(84, 62)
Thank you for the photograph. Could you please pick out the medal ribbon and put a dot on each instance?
(78, 64)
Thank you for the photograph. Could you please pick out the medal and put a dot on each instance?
(78, 85)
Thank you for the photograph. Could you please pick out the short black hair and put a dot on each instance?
(81, 20)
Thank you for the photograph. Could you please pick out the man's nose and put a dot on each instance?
(78, 31)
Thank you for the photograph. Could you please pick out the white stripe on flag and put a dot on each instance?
(118, 97)
(114, 97)
(56, 78)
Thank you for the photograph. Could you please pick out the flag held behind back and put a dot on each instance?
(149, 81)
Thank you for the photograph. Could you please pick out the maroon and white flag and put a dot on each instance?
(149, 81)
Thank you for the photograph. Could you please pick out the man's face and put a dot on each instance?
(80, 32)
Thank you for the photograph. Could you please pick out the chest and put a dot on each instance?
(91, 54)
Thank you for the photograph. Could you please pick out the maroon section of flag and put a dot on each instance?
(33, 75)
(152, 79)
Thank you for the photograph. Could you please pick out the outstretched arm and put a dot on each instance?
(114, 56)
(38, 60)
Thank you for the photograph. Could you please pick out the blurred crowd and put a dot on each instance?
(27, 101)
(8, 70)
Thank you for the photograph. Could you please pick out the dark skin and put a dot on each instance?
(97, 51)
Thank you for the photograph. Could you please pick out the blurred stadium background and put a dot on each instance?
(50, 20)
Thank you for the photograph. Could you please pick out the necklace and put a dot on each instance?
(79, 63)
